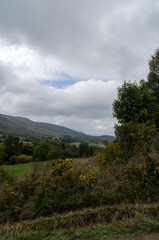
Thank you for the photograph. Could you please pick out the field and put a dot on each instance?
(18, 170)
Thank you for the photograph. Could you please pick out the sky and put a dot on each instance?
(61, 61)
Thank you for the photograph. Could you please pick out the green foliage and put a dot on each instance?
(153, 82)
(13, 146)
(20, 170)
(153, 76)
(54, 153)
(28, 149)
(85, 150)
(139, 103)
(11, 202)
(51, 150)
(134, 103)
(110, 155)
(2, 153)
(137, 111)
(24, 159)
(4, 176)
(12, 159)
(67, 186)
(41, 150)
(133, 137)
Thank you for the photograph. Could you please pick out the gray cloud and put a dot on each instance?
(88, 101)
(109, 39)
(85, 105)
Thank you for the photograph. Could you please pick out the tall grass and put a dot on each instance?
(124, 228)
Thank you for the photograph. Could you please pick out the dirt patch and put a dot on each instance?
(135, 237)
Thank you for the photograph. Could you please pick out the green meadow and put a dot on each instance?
(19, 170)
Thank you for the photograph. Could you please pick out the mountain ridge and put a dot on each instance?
(25, 126)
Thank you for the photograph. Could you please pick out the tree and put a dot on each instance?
(134, 103)
(54, 153)
(137, 111)
(85, 150)
(28, 149)
(134, 137)
(13, 146)
(153, 82)
(41, 150)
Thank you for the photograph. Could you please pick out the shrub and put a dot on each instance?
(12, 159)
(4, 176)
(111, 154)
(24, 159)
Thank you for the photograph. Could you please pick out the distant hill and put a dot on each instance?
(25, 127)
(108, 137)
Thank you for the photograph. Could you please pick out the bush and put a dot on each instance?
(24, 159)
(111, 154)
(13, 159)
(4, 176)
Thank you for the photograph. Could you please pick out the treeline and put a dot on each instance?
(13, 150)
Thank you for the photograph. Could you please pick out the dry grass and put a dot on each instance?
(80, 219)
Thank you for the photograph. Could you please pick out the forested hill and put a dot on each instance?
(23, 126)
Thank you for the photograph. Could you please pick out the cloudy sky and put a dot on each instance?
(61, 61)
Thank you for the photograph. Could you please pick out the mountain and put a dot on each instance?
(108, 137)
(25, 127)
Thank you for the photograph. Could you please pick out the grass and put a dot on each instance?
(86, 217)
(124, 228)
(18, 170)
(75, 143)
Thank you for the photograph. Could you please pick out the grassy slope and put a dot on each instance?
(18, 170)
(23, 126)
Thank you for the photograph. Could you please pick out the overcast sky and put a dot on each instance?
(61, 61)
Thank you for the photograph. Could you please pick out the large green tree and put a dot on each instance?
(136, 109)
(134, 103)
(153, 82)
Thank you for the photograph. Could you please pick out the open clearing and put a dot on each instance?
(19, 170)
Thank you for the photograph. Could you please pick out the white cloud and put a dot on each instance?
(85, 105)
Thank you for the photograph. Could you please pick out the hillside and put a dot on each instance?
(23, 126)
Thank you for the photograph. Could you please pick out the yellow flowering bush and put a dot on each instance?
(63, 168)
(100, 158)
(88, 177)
(4, 176)
(111, 154)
